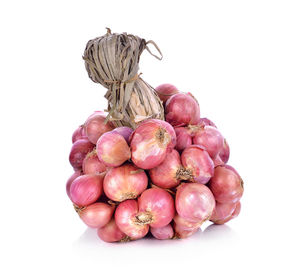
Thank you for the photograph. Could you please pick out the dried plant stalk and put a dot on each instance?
(143, 104)
(113, 61)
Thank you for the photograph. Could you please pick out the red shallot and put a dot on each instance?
(94, 126)
(222, 212)
(78, 152)
(165, 91)
(75, 175)
(184, 138)
(112, 149)
(206, 122)
(165, 232)
(197, 161)
(111, 233)
(180, 232)
(86, 189)
(124, 182)
(156, 207)
(169, 172)
(209, 138)
(225, 152)
(92, 165)
(226, 184)
(182, 109)
(186, 224)
(96, 215)
(79, 133)
(150, 143)
(125, 131)
(194, 202)
(126, 219)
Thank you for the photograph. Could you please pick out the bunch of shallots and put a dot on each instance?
(150, 176)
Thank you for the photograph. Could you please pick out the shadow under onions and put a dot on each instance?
(89, 237)
(213, 231)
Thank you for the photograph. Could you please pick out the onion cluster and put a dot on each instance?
(165, 178)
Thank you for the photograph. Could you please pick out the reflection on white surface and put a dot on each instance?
(210, 232)
(218, 231)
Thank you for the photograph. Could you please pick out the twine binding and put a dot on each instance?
(113, 61)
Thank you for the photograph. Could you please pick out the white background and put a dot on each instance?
(241, 59)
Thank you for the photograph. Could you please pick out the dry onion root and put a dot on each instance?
(113, 61)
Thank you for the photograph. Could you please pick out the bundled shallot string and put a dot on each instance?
(113, 61)
(147, 175)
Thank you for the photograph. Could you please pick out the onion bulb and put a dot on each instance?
(156, 207)
(168, 173)
(209, 138)
(78, 152)
(182, 109)
(112, 149)
(198, 162)
(79, 133)
(165, 91)
(226, 184)
(125, 131)
(86, 189)
(222, 212)
(165, 232)
(181, 232)
(92, 165)
(96, 215)
(127, 222)
(184, 138)
(150, 143)
(194, 202)
(111, 233)
(75, 175)
(124, 182)
(94, 126)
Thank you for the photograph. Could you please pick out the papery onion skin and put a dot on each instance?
(92, 165)
(225, 152)
(195, 159)
(94, 126)
(125, 131)
(218, 161)
(237, 210)
(164, 175)
(194, 202)
(111, 232)
(234, 214)
(206, 122)
(78, 152)
(181, 232)
(182, 109)
(150, 143)
(211, 139)
(112, 149)
(156, 207)
(79, 133)
(86, 189)
(184, 138)
(75, 175)
(165, 91)
(96, 215)
(165, 232)
(226, 184)
(170, 130)
(222, 213)
(125, 217)
(186, 224)
(124, 182)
